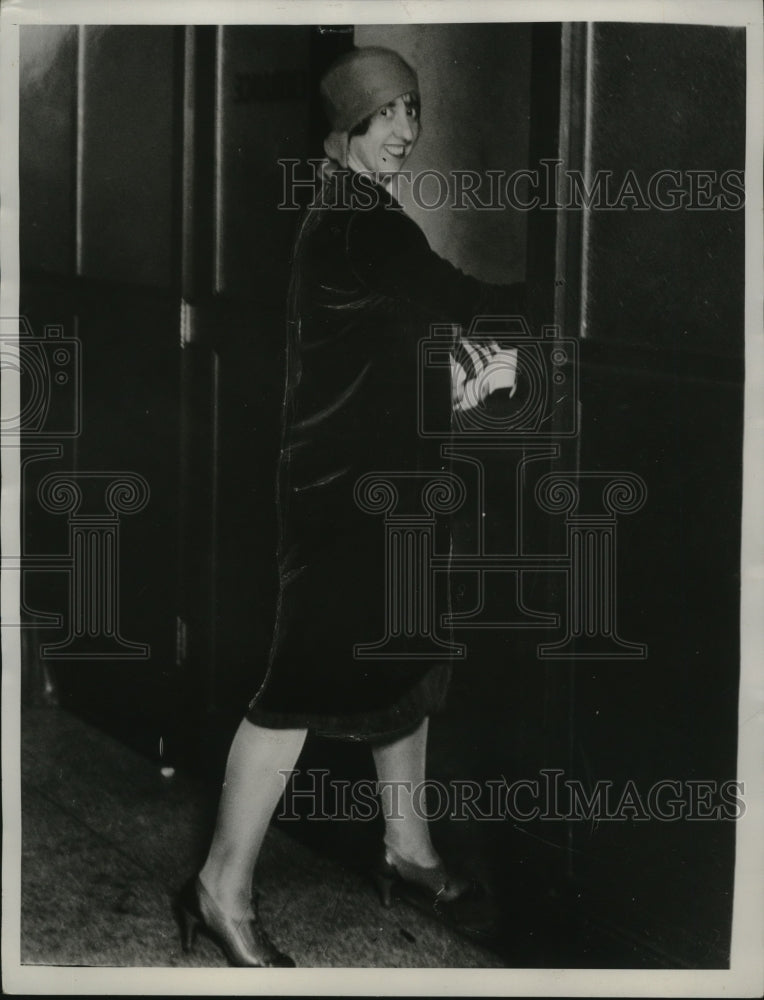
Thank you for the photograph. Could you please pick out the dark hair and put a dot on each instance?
(411, 100)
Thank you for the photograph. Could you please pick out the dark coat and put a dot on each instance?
(366, 286)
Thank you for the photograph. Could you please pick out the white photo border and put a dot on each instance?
(746, 974)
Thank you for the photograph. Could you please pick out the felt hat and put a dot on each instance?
(358, 84)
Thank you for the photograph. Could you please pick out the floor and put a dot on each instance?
(107, 839)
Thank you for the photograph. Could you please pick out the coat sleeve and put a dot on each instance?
(390, 254)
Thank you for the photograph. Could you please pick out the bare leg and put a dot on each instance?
(400, 769)
(251, 791)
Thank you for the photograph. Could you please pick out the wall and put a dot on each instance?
(474, 81)
(99, 203)
(669, 97)
(662, 394)
(47, 145)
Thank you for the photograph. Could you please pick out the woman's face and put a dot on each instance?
(389, 139)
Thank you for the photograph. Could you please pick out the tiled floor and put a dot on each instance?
(106, 840)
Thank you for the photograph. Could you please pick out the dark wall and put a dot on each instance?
(669, 98)
(99, 199)
(662, 396)
(48, 146)
(264, 100)
(128, 166)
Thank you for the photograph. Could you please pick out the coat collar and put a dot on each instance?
(344, 188)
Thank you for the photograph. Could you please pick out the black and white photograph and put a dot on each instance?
(382, 455)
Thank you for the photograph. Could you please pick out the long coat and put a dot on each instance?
(366, 288)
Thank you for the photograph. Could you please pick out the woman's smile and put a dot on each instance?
(392, 133)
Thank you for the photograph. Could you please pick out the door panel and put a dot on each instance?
(662, 394)
(128, 160)
(47, 146)
(668, 98)
(106, 564)
(263, 84)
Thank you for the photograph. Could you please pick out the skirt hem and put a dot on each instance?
(425, 698)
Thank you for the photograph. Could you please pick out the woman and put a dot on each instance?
(365, 288)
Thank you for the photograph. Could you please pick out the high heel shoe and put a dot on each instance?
(459, 902)
(244, 941)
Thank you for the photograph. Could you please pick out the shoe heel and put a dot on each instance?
(189, 925)
(384, 884)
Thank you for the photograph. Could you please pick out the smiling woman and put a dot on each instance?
(365, 289)
(379, 139)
